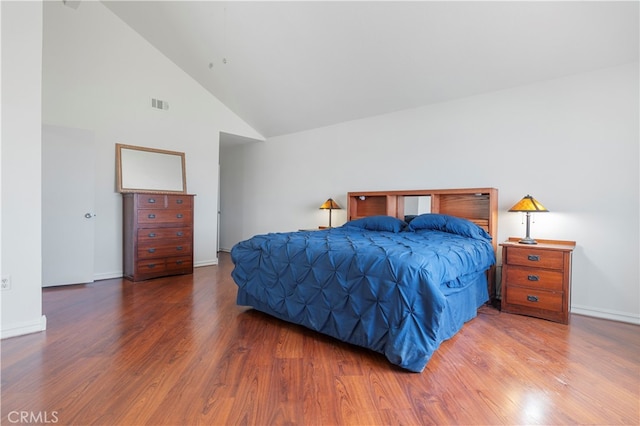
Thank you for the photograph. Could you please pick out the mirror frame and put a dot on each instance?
(121, 174)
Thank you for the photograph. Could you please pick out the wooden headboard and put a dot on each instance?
(479, 205)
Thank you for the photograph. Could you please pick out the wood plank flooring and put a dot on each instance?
(178, 351)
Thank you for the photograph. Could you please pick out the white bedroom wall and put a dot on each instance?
(100, 75)
(21, 305)
(572, 143)
(232, 177)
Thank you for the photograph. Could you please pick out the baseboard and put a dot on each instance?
(606, 314)
(211, 262)
(119, 274)
(107, 275)
(25, 328)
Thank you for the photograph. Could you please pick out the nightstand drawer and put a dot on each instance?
(534, 298)
(535, 258)
(537, 278)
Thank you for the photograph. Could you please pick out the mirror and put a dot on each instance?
(416, 205)
(141, 169)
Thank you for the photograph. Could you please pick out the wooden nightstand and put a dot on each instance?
(536, 279)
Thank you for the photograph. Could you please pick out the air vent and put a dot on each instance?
(159, 104)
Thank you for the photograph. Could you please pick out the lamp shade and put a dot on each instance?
(330, 205)
(528, 204)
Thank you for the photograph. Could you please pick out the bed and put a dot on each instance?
(379, 282)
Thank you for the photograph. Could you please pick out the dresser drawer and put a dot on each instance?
(179, 201)
(150, 251)
(535, 298)
(537, 278)
(179, 264)
(168, 216)
(535, 258)
(149, 235)
(151, 266)
(151, 201)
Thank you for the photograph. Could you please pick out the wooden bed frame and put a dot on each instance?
(479, 205)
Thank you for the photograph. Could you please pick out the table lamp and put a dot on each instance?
(528, 205)
(330, 205)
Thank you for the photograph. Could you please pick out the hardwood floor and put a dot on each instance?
(178, 351)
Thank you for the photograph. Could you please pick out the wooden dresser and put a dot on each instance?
(536, 279)
(158, 235)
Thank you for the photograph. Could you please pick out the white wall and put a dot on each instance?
(232, 178)
(100, 75)
(572, 143)
(21, 200)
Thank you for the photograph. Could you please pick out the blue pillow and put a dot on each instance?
(450, 224)
(378, 223)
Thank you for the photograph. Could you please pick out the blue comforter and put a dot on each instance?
(398, 290)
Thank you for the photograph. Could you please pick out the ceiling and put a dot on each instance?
(290, 66)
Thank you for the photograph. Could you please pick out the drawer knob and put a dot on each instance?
(151, 201)
(179, 248)
(152, 235)
(151, 265)
(179, 215)
(533, 257)
(533, 278)
(178, 201)
(531, 298)
(152, 216)
(180, 233)
(151, 250)
(179, 262)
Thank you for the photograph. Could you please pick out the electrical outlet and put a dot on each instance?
(6, 282)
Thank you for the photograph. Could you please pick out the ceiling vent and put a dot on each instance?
(159, 104)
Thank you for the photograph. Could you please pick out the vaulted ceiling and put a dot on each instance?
(290, 66)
